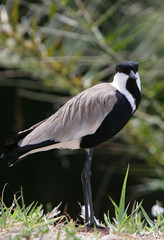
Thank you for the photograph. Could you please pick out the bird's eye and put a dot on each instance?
(119, 70)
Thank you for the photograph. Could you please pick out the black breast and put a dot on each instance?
(112, 123)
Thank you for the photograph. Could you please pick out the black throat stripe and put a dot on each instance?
(132, 87)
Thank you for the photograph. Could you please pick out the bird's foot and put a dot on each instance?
(99, 228)
(93, 224)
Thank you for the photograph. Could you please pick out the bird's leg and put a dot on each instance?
(85, 177)
(85, 191)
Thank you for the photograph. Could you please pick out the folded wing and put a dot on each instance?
(80, 116)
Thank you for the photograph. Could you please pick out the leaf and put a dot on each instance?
(121, 208)
(150, 222)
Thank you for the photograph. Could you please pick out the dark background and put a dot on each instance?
(55, 176)
(45, 60)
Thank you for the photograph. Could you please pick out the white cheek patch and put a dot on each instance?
(119, 82)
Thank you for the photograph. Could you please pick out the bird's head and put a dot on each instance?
(127, 72)
(129, 69)
(127, 80)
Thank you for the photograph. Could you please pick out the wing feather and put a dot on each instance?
(80, 116)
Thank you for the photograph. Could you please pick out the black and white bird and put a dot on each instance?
(88, 119)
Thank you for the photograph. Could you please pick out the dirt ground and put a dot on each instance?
(102, 234)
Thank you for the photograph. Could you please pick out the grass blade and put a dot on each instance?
(121, 208)
(149, 221)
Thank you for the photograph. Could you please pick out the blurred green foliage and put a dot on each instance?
(66, 46)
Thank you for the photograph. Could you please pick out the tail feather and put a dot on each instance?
(16, 152)
(12, 149)
(14, 160)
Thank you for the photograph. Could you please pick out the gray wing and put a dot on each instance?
(80, 116)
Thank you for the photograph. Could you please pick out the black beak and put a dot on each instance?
(132, 75)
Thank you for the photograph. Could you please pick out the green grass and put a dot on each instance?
(24, 220)
(137, 221)
(29, 222)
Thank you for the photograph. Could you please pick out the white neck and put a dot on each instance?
(119, 82)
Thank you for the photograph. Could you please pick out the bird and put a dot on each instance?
(88, 119)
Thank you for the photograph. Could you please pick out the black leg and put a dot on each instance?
(85, 177)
